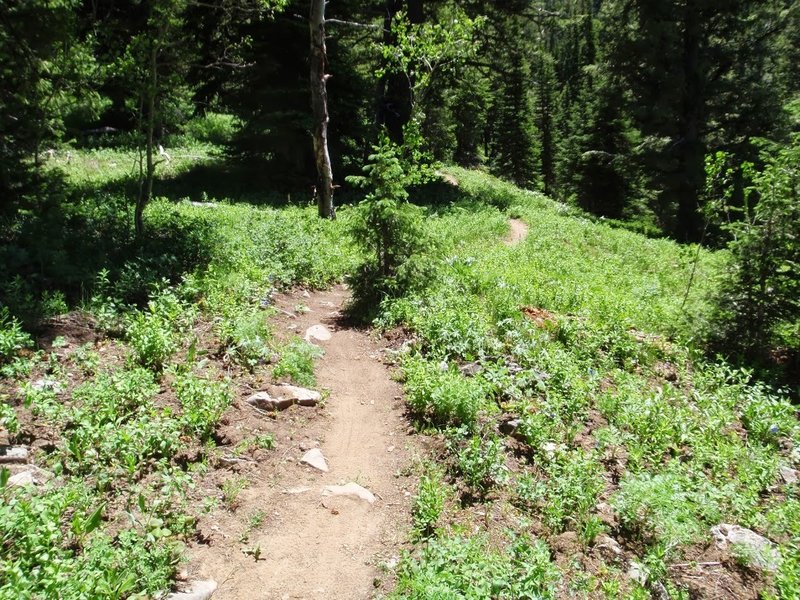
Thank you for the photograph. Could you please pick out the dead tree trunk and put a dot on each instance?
(319, 106)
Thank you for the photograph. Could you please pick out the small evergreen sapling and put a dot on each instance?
(389, 231)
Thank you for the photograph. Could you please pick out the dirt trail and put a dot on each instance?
(314, 547)
(518, 232)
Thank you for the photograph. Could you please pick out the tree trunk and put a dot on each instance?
(691, 151)
(319, 106)
(146, 186)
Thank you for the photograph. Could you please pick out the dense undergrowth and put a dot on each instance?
(581, 432)
(562, 378)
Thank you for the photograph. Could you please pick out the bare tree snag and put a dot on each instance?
(319, 106)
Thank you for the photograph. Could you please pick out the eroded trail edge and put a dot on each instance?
(311, 544)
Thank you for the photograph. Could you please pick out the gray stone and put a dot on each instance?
(319, 333)
(351, 490)
(48, 384)
(200, 590)
(756, 549)
(659, 592)
(789, 475)
(13, 454)
(608, 547)
(22, 479)
(470, 369)
(264, 401)
(302, 396)
(314, 458)
(510, 427)
(281, 397)
(638, 572)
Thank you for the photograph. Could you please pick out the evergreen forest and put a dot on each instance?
(400, 299)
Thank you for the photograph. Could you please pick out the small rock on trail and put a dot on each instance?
(318, 332)
(351, 490)
(200, 590)
(281, 397)
(314, 458)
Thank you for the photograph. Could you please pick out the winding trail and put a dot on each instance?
(312, 546)
(518, 231)
(316, 547)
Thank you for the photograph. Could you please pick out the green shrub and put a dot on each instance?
(12, 337)
(113, 426)
(757, 307)
(469, 569)
(203, 401)
(572, 490)
(664, 508)
(245, 335)
(390, 232)
(213, 128)
(155, 333)
(481, 462)
(443, 397)
(297, 362)
(428, 503)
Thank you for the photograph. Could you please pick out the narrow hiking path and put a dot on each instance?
(313, 546)
(518, 231)
(287, 537)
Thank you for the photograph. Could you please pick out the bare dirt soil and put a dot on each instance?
(282, 538)
(518, 232)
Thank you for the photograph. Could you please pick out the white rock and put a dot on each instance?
(48, 384)
(638, 572)
(297, 490)
(13, 454)
(608, 546)
(550, 449)
(200, 590)
(314, 458)
(759, 551)
(351, 490)
(264, 401)
(22, 479)
(300, 395)
(318, 332)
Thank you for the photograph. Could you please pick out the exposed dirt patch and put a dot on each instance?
(282, 538)
(518, 232)
(75, 328)
(539, 316)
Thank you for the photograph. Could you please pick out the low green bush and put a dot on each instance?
(297, 362)
(468, 568)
